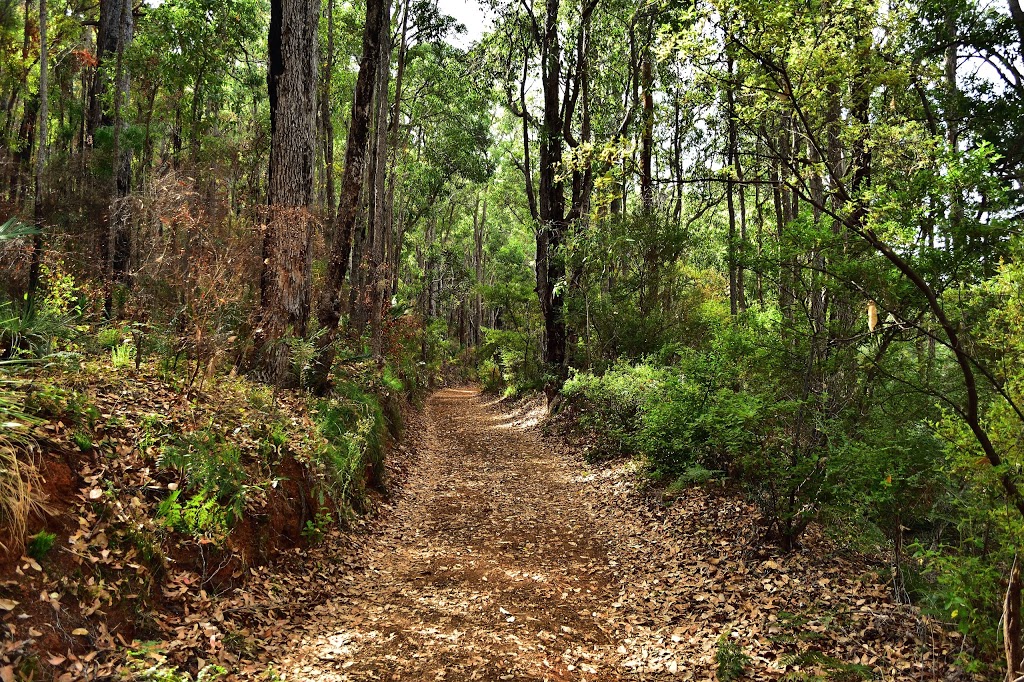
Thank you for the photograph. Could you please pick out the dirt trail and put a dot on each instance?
(487, 568)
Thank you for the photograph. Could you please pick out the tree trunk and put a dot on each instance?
(44, 116)
(647, 143)
(120, 242)
(1012, 624)
(478, 261)
(108, 38)
(377, 281)
(327, 122)
(329, 307)
(285, 283)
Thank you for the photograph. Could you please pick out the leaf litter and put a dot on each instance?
(506, 557)
(502, 556)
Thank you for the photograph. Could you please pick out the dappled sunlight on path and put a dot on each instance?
(488, 568)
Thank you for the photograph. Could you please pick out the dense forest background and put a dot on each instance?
(771, 244)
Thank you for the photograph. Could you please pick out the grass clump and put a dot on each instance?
(20, 480)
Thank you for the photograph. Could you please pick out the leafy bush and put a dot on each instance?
(612, 404)
(28, 329)
(109, 337)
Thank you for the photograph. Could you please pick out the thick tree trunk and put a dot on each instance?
(285, 284)
(108, 38)
(551, 198)
(553, 217)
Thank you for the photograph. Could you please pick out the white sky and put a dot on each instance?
(470, 13)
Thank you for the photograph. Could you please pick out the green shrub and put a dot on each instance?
(40, 544)
(612, 404)
(29, 329)
(122, 356)
(354, 431)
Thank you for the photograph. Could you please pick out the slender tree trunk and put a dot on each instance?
(1012, 624)
(733, 167)
(327, 123)
(285, 284)
(44, 133)
(647, 141)
(120, 243)
(377, 281)
(478, 262)
(329, 307)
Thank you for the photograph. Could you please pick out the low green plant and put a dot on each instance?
(315, 529)
(200, 516)
(213, 473)
(109, 338)
(834, 669)
(354, 429)
(148, 662)
(695, 474)
(40, 544)
(122, 355)
(29, 329)
(83, 441)
(730, 659)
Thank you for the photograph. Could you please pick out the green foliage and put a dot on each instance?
(201, 516)
(730, 659)
(109, 337)
(315, 529)
(213, 472)
(515, 357)
(835, 670)
(40, 544)
(29, 328)
(148, 663)
(613, 403)
(354, 431)
(82, 440)
(122, 356)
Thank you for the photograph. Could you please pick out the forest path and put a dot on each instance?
(486, 569)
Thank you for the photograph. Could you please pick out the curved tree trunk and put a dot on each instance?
(329, 307)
